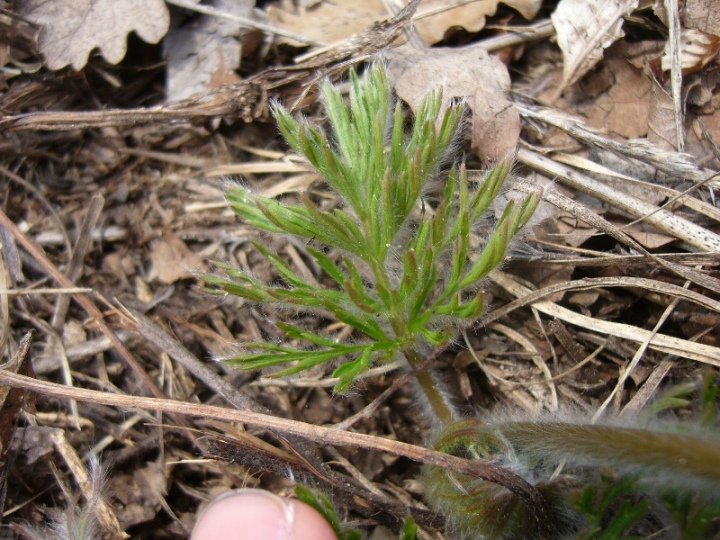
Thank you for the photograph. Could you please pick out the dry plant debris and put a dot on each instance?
(114, 153)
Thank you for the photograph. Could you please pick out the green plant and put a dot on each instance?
(406, 274)
(401, 283)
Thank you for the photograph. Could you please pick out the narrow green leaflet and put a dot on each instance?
(350, 370)
(327, 264)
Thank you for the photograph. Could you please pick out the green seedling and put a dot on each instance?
(404, 276)
(403, 271)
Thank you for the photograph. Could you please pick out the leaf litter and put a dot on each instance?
(630, 221)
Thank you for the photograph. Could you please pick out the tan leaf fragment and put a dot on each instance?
(648, 237)
(330, 21)
(471, 17)
(204, 56)
(470, 74)
(585, 28)
(138, 494)
(172, 260)
(333, 21)
(71, 29)
(624, 106)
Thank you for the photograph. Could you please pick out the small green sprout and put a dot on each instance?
(404, 275)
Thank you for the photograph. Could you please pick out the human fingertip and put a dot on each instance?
(252, 514)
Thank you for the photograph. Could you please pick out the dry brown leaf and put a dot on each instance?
(702, 15)
(624, 107)
(71, 29)
(585, 28)
(172, 260)
(470, 74)
(137, 495)
(12, 401)
(471, 17)
(703, 135)
(330, 21)
(704, 138)
(648, 237)
(337, 20)
(73, 334)
(204, 56)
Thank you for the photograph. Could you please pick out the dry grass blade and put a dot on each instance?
(669, 289)
(674, 196)
(676, 75)
(74, 269)
(706, 354)
(668, 222)
(591, 218)
(113, 201)
(84, 301)
(627, 371)
(674, 164)
(105, 514)
(245, 100)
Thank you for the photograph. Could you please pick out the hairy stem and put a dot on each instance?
(438, 403)
(678, 453)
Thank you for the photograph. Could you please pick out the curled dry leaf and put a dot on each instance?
(71, 29)
(470, 74)
(585, 28)
(471, 16)
(697, 49)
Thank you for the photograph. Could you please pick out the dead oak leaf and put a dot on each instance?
(71, 29)
(697, 49)
(471, 16)
(585, 28)
(623, 108)
(335, 21)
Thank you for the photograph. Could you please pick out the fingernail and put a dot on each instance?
(247, 514)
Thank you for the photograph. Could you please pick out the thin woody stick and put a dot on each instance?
(320, 434)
